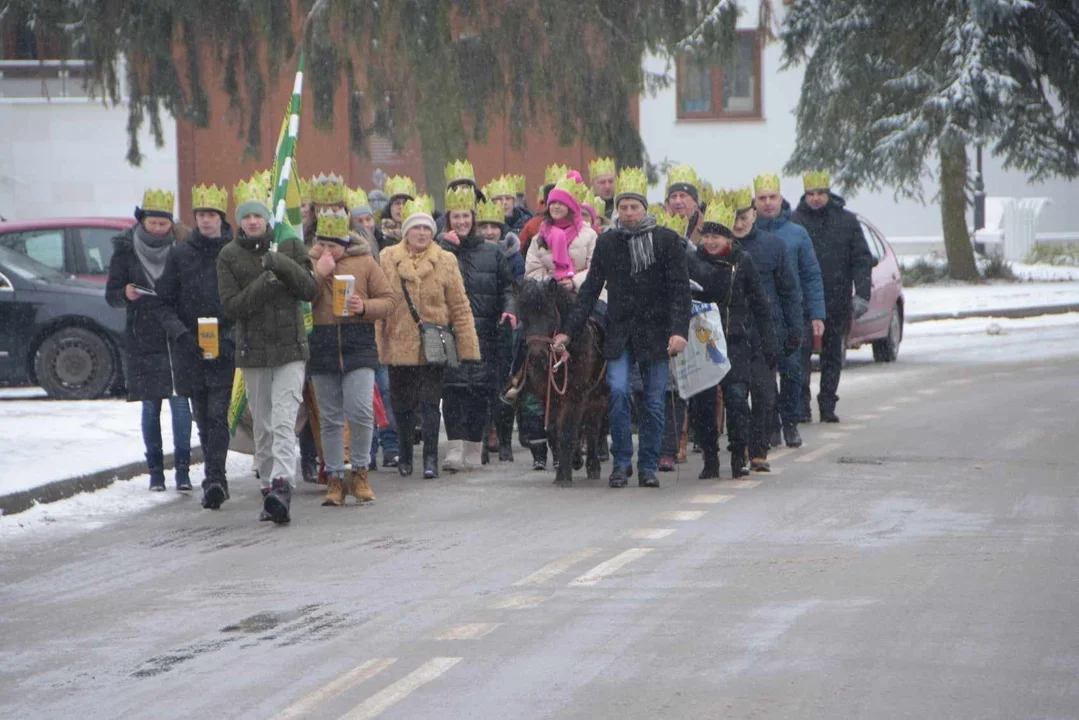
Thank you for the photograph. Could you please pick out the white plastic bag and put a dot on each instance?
(704, 363)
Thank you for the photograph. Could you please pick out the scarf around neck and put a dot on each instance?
(152, 251)
(558, 238)
(641, 252)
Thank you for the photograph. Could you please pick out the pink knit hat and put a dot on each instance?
(560, 195)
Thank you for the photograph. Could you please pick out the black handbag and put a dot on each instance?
(439, 342)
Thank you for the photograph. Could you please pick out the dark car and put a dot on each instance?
(57, 331)
(77, 246)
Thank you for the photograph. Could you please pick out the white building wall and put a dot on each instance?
(728, 153)
(66, 157)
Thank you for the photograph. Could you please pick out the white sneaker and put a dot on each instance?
(454, 461)
(473, 455)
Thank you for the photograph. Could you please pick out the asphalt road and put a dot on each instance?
(920, 560)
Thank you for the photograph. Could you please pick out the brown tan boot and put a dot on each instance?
(361, 489)
(335, 493)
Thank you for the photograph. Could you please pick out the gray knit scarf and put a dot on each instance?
(152, 251)
(639, 237)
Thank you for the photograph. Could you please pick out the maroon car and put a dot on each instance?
(77, 246)
(883, 324)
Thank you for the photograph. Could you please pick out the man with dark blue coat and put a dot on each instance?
(774, 216)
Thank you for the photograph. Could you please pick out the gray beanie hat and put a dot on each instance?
(253, 207)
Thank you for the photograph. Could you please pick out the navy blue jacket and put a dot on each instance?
(802, 259)
(779, 282)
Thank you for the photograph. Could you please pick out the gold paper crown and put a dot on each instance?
(708, 195)
(600, 167)
(249, 191)
(598, 203)
(576, 188)
(490, 212)
(504, 186)
(520, 183)
(632, 181)
(332, 223)
(305, 190)
(682, 174)
(459, 170)
(328, 189)
(817, 180)
(655, 210)
(420, 204)
(673, 222)
(158, 201)
(554, 173)
(356, 198)
(460, 199)
(210, 198)
(720, 214)
(765, 183)
(400, 186)
(741, 199)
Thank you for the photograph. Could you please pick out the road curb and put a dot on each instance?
(18, 502)
(1006, 313)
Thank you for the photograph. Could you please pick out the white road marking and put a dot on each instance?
(683, 515)
(610, 567)
(929, 391)
(390, 696)
(782, 453)
(519, 602)
(711, 499)
(651, 533)
(557, 567)
(738, 484)
(305, 706)
(468, 631)
(818, 453)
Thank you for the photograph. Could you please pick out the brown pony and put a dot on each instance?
(572, 390)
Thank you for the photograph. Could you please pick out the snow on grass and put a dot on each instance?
(43, 440)
(956, 297)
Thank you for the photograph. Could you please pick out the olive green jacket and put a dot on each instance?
(262, 291)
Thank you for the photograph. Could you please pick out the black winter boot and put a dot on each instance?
(430, 465)
(278, 501)
(776, 439)
(792, 436)
(603, 449)
(738, 462)
(213, 494)
(309, 468)
(156, 462)
(827, 414)
(182, 466)
(619, 477)
(539, 455)
(711, 466)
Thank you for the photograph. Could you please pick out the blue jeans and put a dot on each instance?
(180, 409)
(388, 436)
(654, 379)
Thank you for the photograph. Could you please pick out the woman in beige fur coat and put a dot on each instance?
(438, 293)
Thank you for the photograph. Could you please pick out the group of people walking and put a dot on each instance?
(397, 308)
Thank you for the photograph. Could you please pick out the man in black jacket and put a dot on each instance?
(844, 259)
(644, 269)
(188, 291)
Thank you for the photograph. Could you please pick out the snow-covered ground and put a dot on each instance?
(953, 298)
(42, 441)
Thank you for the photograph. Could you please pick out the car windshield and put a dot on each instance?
(28, 269)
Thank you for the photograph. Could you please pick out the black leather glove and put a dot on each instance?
(188, 344)
(792, 344)
(859, 306)
(268, 259)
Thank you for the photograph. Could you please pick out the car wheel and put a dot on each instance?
(887, 348)
(74, 364)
